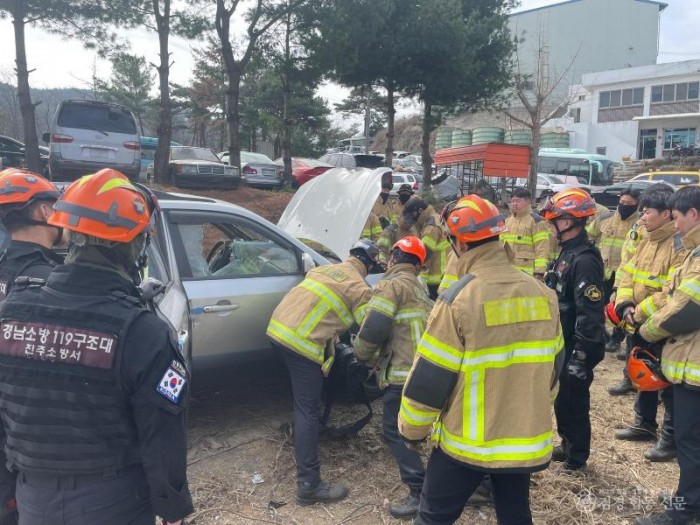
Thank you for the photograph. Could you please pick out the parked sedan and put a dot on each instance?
(303, 170)
(190, 167)
(546, 185)
(610, 196)
(12, 154)
(258, 169)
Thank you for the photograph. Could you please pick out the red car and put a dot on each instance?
(303, 170)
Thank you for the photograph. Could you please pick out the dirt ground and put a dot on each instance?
(242, 468)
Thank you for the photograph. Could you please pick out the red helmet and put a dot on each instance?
(19, 188)
(572, 203)
(412, 245)
(103, 205)
(472, 219)
(611, 315)
(644, 370)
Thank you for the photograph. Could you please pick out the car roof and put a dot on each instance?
(668, 172)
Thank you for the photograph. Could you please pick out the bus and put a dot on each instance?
(148, 153)
(576, 166)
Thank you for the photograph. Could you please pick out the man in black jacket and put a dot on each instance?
(93, 384)
(577, 276)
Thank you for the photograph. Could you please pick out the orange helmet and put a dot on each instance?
(644, 370)
(19, 188)
(472, 219)
(412, 245)
(103, 205)
(572, 203)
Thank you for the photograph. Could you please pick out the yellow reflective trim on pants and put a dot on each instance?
(415, 417)
(516, 310)
(680, 371)
(514, 353)
(382, 305)
(508, 449)
(326, 294)
(648, 307)
(691, 288)
(312, 319)
(440, 353)
(293, 340)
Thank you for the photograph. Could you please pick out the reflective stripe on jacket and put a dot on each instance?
(678, 320)
(326, 303)
(372, 229)
(394, 322)
(529, 238)
(430, 232)
(487, 367)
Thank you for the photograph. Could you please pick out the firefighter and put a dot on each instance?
(390, 236)
(385, 208)
(405, 193)
(528, 235)
(419, 214)
(642, 291)
(25, 205)
(394, 321)
(493, 335)
(677, 323)
(304, 327)
(608, 231)
(95, 375)
(577, 277)
(372, 229)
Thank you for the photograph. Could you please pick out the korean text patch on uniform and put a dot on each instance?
(171, 384)
(57, 343)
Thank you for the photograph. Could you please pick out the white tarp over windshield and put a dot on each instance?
(332, 209)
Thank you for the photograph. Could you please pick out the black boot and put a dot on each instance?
(664, 450)
(612, 345)
(323, 492)
(622, 388)
(406, 508)
(642, 432)
(558, 454)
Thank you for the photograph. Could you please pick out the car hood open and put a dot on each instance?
(332, 209)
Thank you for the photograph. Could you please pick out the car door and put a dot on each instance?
(234, 272)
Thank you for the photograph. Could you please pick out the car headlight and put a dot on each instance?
(186, 169)
(230, 170)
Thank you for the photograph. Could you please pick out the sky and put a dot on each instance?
(60, 63)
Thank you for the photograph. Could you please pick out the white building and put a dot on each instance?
(584, 36)
(639, 112)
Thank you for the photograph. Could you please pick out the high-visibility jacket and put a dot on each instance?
(388, 210)
(487, 366)
(430, 232)
(529, 238)
(394, 322)
(326, 303)
(389, 236)
(608, 231)
(629, 248)
(372, 229)
(647, 276)
(450, 276)
(679, 319)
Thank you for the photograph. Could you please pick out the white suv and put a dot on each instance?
(87, 136)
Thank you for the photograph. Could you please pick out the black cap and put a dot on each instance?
(406, 188)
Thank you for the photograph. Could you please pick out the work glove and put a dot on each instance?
(414, 444)
(577, 367)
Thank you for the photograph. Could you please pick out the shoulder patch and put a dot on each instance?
(536, 216)
(172, 383)
(677, 242)
(593, 293)
(450, 294)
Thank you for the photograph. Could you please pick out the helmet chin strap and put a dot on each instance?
(574, 224)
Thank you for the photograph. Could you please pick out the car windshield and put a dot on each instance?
(248, 157)
(193, 154)
(554, 180)
(98, 117)
(368, 161)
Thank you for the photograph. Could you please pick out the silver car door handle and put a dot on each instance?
(214, 308)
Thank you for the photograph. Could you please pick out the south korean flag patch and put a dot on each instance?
(171, 384)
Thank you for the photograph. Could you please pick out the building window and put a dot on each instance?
(675, 92)
(601, 151)
(678, 137)
(575, 113)
(622, 98)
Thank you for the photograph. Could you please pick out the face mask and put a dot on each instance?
(626, 210)
(384, 196)
(403, 197)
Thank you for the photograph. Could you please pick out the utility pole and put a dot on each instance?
(368, 94)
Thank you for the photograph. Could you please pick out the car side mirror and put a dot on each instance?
(46, 137)
(307, 263)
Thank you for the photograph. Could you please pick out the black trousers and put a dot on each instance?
(307, 383)
(85, 500)
(409, 461)
(449, 484)
(8, 480)
(646, 405)
(572, 410)
(686, 503)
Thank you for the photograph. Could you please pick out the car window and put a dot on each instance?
(8, 145)
(347, 161)
(180, 153)
(410, 178)
(397, 179)
(231, 249)
(678, 179)
(110, 119)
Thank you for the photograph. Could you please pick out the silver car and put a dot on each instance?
(258, 169)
